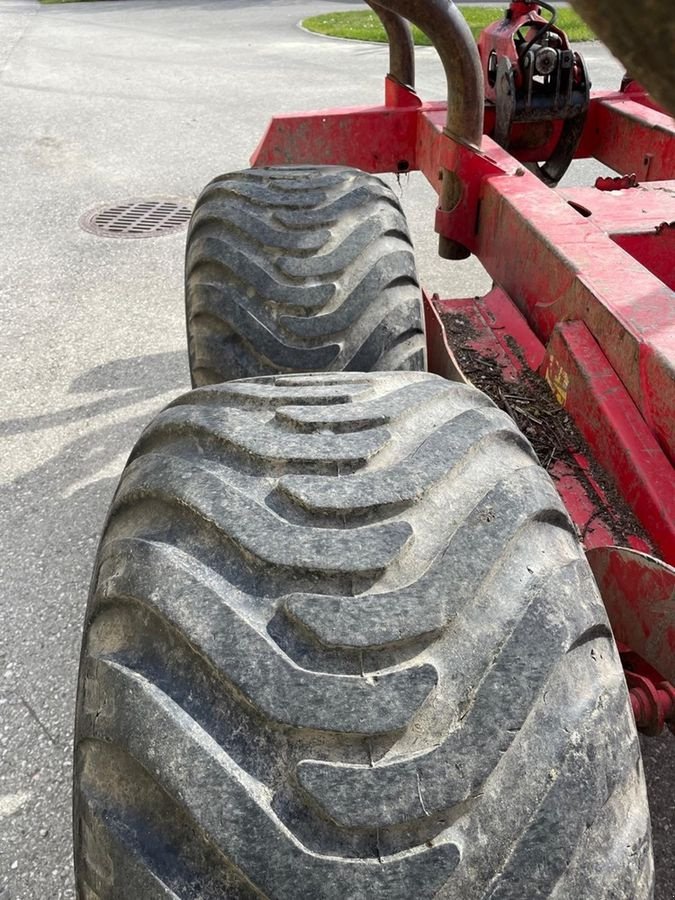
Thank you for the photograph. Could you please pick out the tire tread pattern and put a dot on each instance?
(300, 270)
(342, 643)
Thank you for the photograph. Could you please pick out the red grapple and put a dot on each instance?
(584, 277)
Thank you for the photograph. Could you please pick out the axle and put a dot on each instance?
(653, 705)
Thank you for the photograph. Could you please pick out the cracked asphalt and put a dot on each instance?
(101, 102)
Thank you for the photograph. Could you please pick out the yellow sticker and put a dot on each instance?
(558, 380)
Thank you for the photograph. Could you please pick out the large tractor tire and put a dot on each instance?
(343, 644)
(300, 270)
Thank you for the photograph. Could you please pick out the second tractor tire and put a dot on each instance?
(300, 269)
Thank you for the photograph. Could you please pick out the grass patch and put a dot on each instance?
(365, 26)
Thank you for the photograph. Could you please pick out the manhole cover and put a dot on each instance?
(137, 218)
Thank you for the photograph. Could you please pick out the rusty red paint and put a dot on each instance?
(569, 268)
(399, 95)
(485, 339)
(629, 136)
(519, 8)
(501, 327)
(375, 139)
(638, 92)
(635, 222)
(511, 328)
(653, 704)
(604, 518)
(654, 250)
(502, 335)
(638, 591)
(616, 183)
(603, 410)
(640, 210)
(639, 594)
(499, 38)
(583, 509)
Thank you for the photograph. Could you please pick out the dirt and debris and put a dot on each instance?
(547, 425)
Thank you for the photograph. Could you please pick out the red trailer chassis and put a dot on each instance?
(584, 289)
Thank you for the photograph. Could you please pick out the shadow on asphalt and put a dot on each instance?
(132, 380)
(59, 505)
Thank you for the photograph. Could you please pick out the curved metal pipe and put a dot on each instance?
(401, 45)
(447, 29)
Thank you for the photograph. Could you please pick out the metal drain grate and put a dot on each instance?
(137, 218)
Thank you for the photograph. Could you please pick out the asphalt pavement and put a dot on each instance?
(99, 103)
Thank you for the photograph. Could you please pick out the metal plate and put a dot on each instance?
(638, 591)
(137, 218)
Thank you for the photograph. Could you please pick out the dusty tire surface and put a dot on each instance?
(342, 643)
(300, 269)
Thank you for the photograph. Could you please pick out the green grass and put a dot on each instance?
(365, 26)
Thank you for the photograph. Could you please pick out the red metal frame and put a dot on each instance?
(571, 265)
(586, 276)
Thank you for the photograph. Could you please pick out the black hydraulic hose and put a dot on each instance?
(542, 31)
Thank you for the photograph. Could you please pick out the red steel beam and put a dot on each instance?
(374, 139)
(558, 265)
(622, 130)
(614, 429)
(629, 136)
